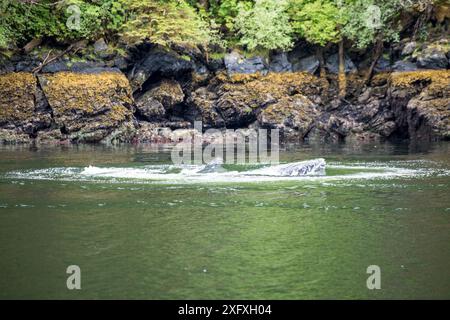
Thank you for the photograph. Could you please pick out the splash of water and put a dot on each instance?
(312, 170)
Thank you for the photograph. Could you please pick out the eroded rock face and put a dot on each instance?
(159, 101)
(23, 108)
(293, 116)
(332, 64)
(236, 101)
(168, 92)
(309, 64)
(235, 63)
(17, 94)
(99, 106)
(280, 63)
(421, 103)
(90, 107)
(161, 62)
(202, 108)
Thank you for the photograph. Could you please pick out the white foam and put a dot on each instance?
(312, 170)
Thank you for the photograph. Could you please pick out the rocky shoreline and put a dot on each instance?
(148, 98)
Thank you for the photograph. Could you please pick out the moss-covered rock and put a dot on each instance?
(23, 107)
(237, 100)
(88, 107)
(293, 116)
(156, 103)
(421, 101)
(17, 96)
(14, 136)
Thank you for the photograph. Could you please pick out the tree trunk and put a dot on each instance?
(323, 72)
(376, 57)
(31, 45)
(342, 77)
(422, 20)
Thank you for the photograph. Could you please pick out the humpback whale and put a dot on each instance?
(314, 167)
(304, 168)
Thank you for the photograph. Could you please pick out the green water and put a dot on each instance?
(269, 240)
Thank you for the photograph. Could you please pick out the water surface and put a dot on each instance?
(136, 233)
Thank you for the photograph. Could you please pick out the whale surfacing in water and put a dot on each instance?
(213, 167)
(304, 168)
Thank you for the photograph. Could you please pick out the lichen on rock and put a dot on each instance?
(421, 101)
(17, 96)
(293, 116)
(238, 99)
(88, 107)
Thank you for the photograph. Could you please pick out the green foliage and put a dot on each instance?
(166, 23)
(255, 24)
(317, 21)
(97, 18)
(265, 25)
(22, 22)
(368, 19)
(226, 11)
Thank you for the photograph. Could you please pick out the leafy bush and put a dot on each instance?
(368, 19)
(265, 25)
(316, 21)
(166, 23)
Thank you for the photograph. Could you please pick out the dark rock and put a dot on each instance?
(150, 108)
(6, 65)
(98, 70)
(161, 62)
(293, 116)
(421, 104)
(404, 66)
(100, 45)
(55, 67)
(26, 65)
(155, 103)
(121, 63)
(432, 60)
(409, 48)
(168, 92)
(202, 108)
(309, 64)
(280, 63)
(215, 65)
(332, 64)
(383, 65)
(85, 66)
(236, 63)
